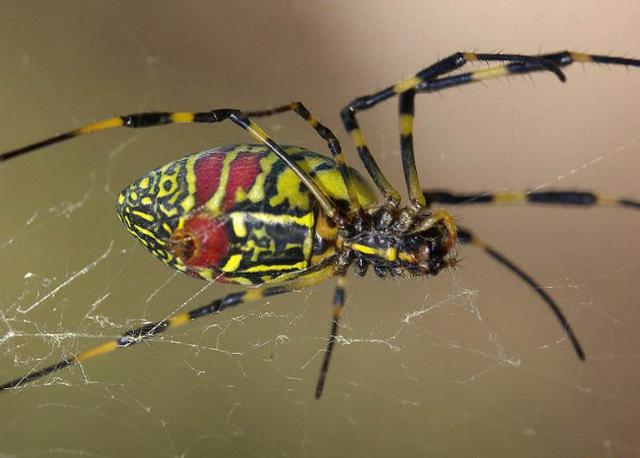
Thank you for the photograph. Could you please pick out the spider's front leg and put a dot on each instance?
(406, 89)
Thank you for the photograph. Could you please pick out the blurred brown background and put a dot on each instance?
(469, 363)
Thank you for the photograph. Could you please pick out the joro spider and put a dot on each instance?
(283, 218)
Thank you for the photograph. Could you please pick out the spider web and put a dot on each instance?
(469, 362)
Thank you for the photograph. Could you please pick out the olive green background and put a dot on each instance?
(467, 364)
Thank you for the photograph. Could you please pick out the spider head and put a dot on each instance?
(427, 252)
(405, 242)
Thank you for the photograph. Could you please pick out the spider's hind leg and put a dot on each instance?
(338, 306)
(312, 276)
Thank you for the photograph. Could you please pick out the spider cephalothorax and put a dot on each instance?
(399, 241)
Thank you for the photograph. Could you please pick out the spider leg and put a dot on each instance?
(431, 79)
(151, 119)
(467, 237)
(559, 59)
(338, 306)
(327, 135)
(564, 198)
(554, 197)
(312, 276)
(406, 105)
(447, 65)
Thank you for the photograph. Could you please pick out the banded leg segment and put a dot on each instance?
(447, 65)
(559, 59)
(327, 135)
(152, 119)
(406, 102)
(134, 121)
(131, 337)
(338, 306)
(467, 237)
(432, 79)
(564, 198)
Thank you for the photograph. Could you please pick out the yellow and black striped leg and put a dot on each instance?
(467, 237)
(133, 121)
(417, 81)
(350, 123)
(518, 66)
(131, 337)
(432, 79)
(151, 119)
(407, 112)
(327, 135)
(338, 306)
(565, 198)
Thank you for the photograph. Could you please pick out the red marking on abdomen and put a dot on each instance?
(207, 170)
(243, 171)
(242, 174)
(211, 241)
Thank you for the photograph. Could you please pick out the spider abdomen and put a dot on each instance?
(234, 214)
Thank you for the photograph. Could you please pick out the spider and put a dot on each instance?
(282, 218)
